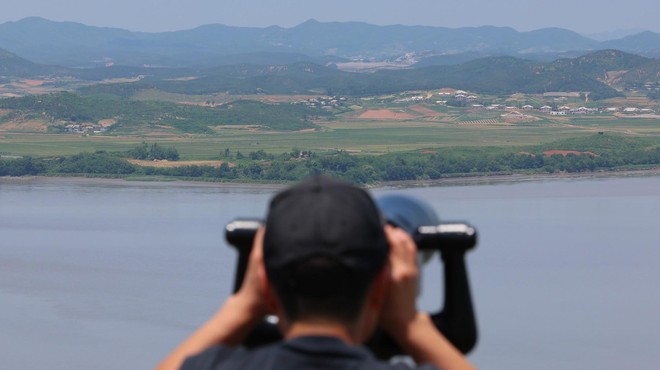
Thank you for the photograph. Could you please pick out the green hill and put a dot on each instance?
(492, 75)
(12, 65)
(64, 108)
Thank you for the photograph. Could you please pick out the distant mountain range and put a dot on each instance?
(304, 59)
(77, 45)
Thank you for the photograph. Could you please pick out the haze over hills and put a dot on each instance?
(642, 43)
(603, 74)
(77, 45)
(13, 65)
(614, 34)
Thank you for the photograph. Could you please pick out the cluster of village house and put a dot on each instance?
(460, 95)
(85, 128)
(463, 96)
(327, 102)
(583, 110)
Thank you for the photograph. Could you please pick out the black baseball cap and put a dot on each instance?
(324, 217)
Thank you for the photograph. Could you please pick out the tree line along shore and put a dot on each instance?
(601, 152)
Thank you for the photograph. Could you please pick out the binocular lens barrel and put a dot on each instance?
(444, 236)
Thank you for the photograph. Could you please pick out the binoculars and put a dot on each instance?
(456, 320)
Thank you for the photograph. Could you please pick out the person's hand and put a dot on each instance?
(253, 289)
(399, 308)
(412, 329)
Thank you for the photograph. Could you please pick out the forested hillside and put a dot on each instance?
(493, 75)
(130, 115)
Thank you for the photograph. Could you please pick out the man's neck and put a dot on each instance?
(321, 328)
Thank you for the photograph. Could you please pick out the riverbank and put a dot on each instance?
(81, 180)
(515, 178)
(447, 181)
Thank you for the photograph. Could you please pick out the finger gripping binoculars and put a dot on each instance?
(455, 320)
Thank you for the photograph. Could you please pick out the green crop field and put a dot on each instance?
(369, 137)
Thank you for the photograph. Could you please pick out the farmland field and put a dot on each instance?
(374, 125)
(352, 134)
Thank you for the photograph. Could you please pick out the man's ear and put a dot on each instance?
(379, 288)
(374, 302)
(269, 292)
(272, 302)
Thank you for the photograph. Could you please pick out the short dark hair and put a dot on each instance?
(321, 287)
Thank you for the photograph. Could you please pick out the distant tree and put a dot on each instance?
(153, 152)
(94, 163)
(259, 155)
(140, 152)
(26, 166)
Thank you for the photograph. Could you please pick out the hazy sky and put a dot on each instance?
(584, 16)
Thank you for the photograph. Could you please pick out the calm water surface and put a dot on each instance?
(110, 275)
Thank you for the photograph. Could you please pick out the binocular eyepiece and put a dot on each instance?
(456, 320)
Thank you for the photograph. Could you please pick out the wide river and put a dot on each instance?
(110, 275)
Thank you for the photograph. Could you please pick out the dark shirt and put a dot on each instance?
(301, 353)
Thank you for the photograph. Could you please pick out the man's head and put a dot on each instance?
(323, 246)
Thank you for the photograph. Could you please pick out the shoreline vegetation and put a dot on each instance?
(592, 154)
(447, 181)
